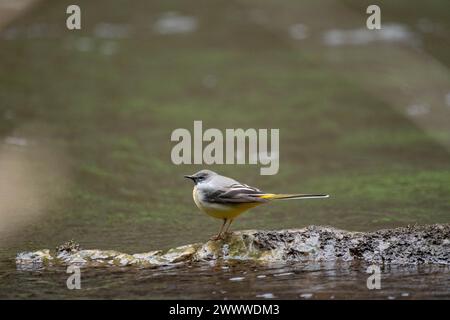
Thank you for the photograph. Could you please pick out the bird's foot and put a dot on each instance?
(221, 236)
(216, 237)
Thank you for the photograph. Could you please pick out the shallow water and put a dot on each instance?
(236, 281)
(86, 118)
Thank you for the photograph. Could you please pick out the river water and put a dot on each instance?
(86, 118)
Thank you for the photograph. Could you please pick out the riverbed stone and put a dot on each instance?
(428, 244)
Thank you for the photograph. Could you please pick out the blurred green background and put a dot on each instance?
(86, 116)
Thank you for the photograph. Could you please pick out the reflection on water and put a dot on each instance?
(388, 33)
(298, 31)
(173, 23)
(235, 281)
(112, 31)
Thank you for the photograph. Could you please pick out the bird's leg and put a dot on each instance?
(219, 235)
(228, 227)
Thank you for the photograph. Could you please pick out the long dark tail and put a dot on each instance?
(272, 196)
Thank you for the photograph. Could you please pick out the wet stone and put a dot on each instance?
(428, 244)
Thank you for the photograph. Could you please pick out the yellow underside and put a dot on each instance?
(231, 212)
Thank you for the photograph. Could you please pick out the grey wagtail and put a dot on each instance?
(225, 198)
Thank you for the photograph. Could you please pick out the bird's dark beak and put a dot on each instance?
(190, 177)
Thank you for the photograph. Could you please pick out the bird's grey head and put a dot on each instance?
(201, 176)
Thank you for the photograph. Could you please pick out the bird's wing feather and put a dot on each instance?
(236, 193)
